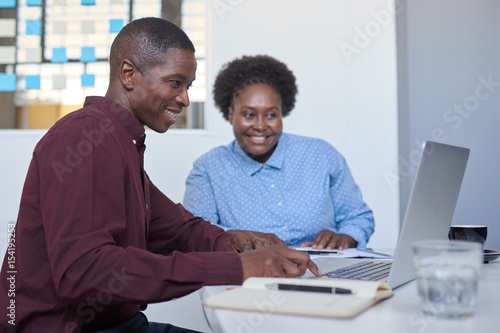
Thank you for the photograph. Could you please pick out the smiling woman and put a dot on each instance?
(256, 117)
(295, 187)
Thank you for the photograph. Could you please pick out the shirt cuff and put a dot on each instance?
(223, 268)
(358, 235)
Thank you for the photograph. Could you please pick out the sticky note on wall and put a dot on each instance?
(88, 54)
(7, 82)
(59, 81)
(32, 81)
(7, 3)
(7, 27)
(88, 80)
(34, 3)
(33, 27)
(115, 25)
(7, 54)
(59, 55)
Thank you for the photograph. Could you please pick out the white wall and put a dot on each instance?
(17, 146)
(348, 101)
(447, 50)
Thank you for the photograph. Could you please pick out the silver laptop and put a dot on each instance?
(428, 215)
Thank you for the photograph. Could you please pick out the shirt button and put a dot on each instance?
(147, 207)
(279, 203)
(285, 227)
(272, 186)
(134, 142)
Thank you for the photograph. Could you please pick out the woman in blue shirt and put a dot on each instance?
(295, 187)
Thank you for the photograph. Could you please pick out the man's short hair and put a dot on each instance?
(145, 42)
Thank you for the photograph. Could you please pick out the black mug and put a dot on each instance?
(474, 233)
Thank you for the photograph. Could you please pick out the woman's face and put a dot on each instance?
(257, 120)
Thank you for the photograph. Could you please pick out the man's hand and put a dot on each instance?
(276, 261)
(244, 240)
(330, 240)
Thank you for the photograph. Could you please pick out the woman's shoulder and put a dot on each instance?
(309, 143)
(215, 155)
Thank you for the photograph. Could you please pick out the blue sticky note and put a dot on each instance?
(33, 27)
(7, 3)
(59, 55)
(34, 3)
(32, 81)
(88, 80)
(7, 82)
(88, 54)
(115, 25)
(88, 2)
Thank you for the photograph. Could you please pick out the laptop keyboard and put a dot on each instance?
(366, 270)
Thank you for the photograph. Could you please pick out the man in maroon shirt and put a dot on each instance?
(95, 240)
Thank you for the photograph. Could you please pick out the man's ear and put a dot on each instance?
(230, 114)
(127, 72)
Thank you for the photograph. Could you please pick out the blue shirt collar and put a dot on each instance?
(251, 166)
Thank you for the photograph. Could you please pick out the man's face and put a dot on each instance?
(160, 94)
(257, 120)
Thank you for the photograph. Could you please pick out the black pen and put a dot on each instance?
(322, 253)
(314, 289)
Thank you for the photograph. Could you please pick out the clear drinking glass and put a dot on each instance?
(447, 275)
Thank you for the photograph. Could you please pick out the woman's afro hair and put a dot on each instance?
(239, 73)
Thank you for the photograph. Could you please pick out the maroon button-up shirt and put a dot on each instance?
(95, 240)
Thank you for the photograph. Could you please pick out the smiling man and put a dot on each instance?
(95, 240)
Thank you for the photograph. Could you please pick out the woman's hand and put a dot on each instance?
(245, 240)
(330, 240)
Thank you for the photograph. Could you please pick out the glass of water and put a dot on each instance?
(447, 274)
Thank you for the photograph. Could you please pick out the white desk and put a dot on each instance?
(399, 314)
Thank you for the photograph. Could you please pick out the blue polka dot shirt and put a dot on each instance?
(303, 188)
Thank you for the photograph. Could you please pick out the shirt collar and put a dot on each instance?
(131, 124)
(251, 166)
